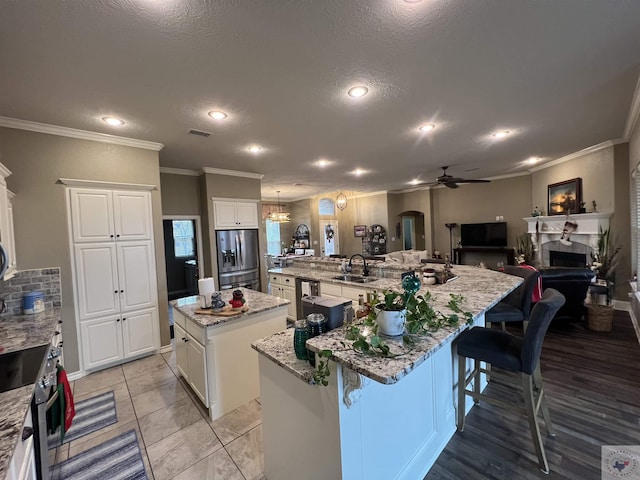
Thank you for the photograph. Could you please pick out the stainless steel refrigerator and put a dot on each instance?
(238, 260)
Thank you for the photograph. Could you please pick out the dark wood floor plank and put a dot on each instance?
(592, 381)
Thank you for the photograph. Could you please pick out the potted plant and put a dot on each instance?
(391, 313)
(524, 248)
(603, 262)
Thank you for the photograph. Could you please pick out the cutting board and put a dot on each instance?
(227, 311)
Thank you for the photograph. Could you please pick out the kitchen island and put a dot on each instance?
(378, 418)
(213, 353)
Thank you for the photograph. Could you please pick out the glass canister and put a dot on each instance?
(300, 336)
(316, 325)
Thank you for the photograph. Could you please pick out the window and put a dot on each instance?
(273, 237)
(326, 207)
(183, 238)
(635, 222)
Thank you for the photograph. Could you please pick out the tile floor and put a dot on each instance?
(176, 437)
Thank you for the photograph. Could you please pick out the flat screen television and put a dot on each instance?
(493, 234)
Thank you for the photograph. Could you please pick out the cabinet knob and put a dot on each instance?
(124, 318)
(115, 291)
(121, 291)
(111, 236)
(186, 339)
(117, 319)
(118, 236)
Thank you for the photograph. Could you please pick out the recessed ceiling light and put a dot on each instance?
(255, 148)
(218, 115)
(359, 171)
(427, 127)
(113, 121)
(412, 1)
(415, 181)
(359, 91)
(532, 160)
(501, 134)
(323, 162)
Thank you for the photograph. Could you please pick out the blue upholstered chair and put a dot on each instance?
(515, 354)
(516, 306)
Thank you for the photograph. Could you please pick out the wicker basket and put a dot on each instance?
(600, 317)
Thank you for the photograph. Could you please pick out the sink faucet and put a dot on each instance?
(365, 270)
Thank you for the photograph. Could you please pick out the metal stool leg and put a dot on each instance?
(462, 386)
(537, 379)
(476, 380)
(529, 402)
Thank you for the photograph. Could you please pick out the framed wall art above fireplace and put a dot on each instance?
(565, 197)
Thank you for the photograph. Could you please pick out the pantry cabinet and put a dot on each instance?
(231, 214)
(114, 274)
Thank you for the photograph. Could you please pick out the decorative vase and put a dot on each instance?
(391, 322)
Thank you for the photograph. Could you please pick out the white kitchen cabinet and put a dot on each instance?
(191, 358)
(230, 214)
(101, 341)
(114, 278)
(285, 287)
(114, 274)
(344, 291)
(112, 339)
(22, 465)
(107, 215)
(7, 236)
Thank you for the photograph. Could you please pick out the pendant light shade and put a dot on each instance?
(279, 215)
(341, 201)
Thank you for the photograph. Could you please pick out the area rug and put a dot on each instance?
(91, 414)
(115, 459)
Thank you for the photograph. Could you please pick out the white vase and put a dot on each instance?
(391, 322)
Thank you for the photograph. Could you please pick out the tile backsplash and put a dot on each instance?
(45, 280)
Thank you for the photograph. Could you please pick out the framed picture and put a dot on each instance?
(359, 230)
(565, 197)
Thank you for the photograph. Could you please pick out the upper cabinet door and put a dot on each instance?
(92, 215)
(225, 214)
(247, 214)
(132, 215)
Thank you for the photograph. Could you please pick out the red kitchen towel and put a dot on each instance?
(69, 408)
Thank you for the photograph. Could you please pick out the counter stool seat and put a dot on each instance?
(516, 306)
(509, 352)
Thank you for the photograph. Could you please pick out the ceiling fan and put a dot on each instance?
(451, 181)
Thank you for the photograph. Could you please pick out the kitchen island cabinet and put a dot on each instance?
(213, 353)
(379, 418)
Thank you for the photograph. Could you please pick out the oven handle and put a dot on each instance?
(51, 401)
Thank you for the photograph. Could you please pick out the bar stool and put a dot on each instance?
(515, 354)
(516, 306)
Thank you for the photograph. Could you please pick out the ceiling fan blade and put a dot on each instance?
(462, 180)
(450, 185)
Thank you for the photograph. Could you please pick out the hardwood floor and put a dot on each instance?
(592, 381)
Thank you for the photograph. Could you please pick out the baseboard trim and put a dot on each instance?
(166, 349)
(76, 375)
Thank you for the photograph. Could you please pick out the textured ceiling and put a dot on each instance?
(560, 75)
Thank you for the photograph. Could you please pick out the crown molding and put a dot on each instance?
(75, 182)
(579, 153)
(80, 134)
(180, 171)
(508, 175)
(634, 113)
(232, 173)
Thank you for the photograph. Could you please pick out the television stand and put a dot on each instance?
(503, 254)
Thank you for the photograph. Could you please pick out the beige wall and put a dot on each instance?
(180, 194)
(37, 161)
(595, 169)
(620, 221)
(477, 203)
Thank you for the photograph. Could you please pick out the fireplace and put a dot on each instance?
(567, 259)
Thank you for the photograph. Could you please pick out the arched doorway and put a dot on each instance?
(412, 223)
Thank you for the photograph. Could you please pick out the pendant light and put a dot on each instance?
(279, 216)
(341, 201)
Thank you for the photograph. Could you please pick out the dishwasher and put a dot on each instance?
(305, 288)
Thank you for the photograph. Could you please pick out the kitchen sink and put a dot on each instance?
(355, 278)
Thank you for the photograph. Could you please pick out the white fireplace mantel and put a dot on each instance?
(588, 223)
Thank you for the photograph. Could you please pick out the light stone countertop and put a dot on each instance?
(257, 302)
(481, 288)
(279, 349)
(19, 332)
